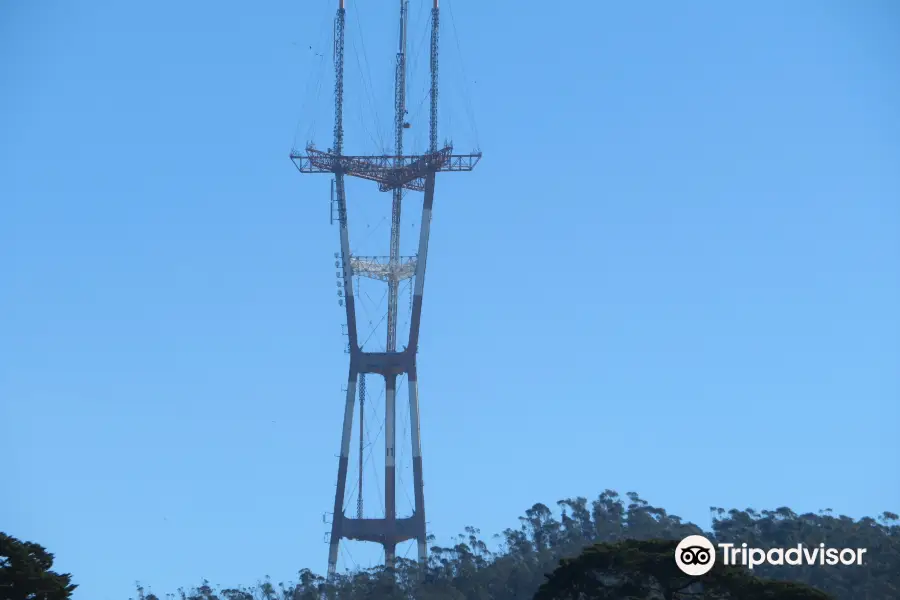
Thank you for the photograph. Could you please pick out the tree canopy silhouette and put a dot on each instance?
(646, 569)
(25, 572)
(611, 528)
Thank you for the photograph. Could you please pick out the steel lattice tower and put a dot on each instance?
(393, 173)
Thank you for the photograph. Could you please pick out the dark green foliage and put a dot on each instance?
(25, 572)
(645, 569)
(629, 539)
(880, 577)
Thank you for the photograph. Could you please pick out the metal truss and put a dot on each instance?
(391, 172)
(381, 267)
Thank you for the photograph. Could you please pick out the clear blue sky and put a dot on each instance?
(674, 272)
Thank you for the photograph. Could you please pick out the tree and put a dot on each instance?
(642, 569)
(25, 572)
(783, 528)
(514, 567)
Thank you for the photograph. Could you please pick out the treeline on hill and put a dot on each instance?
(613, 548)
(468, 570)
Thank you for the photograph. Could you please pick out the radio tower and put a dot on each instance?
(393, 173)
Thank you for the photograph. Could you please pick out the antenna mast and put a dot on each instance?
(397, 173)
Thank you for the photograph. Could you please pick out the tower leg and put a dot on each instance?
(338, 519)
(418, 485)
(422, 258)
(390, 489)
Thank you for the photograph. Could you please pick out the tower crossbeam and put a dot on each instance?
(381, 268)
(390, 172)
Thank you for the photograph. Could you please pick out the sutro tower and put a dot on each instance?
(393, 173)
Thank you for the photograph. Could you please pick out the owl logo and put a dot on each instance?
(695, 555)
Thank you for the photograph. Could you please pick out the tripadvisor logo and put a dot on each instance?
(695, 555)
